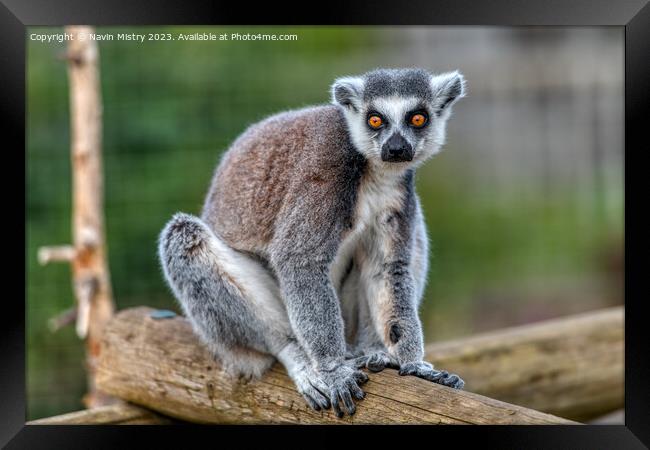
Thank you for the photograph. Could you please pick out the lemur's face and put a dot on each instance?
(398, 116)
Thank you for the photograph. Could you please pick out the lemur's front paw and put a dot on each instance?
(313, 389)
(374, 362)
(343, 382)
(423, 369)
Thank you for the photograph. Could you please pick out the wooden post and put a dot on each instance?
(87, 255)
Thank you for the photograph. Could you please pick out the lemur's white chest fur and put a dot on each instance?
(379, 194)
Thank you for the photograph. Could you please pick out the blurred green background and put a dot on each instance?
(524, 205)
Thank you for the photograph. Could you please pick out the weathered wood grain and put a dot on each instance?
(160, 365)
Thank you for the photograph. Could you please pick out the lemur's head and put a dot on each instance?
(398, 116)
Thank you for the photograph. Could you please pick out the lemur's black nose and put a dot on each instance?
(396, 149)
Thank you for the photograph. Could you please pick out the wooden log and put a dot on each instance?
(159, 364)
(116, 414)
(570, 367)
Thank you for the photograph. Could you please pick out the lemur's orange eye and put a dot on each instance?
(375, 121)
(418, 120)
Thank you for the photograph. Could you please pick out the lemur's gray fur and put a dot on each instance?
(311, 248)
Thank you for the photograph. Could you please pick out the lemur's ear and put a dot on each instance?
(448, 88)
(347, 92)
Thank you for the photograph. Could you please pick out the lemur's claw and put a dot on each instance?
(423, 369)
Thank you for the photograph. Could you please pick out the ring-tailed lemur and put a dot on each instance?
(311, 248)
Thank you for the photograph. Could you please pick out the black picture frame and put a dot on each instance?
(633, 15)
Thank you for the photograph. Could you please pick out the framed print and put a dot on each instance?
(374, 215)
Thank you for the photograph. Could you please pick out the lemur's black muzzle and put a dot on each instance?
(396, 149)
